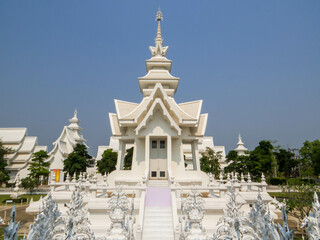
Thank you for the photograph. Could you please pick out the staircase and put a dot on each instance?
(158, 183)
(158, 223)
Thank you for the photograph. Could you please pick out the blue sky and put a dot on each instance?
(256, 65)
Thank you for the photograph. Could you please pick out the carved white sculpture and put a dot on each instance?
(11, 232)
(75, 225)
(261, 222)
(284, 230)
(234, 224)
(191, 217)
(42, 228)
(312, 222)
(122, 223)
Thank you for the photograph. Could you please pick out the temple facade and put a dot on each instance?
(167, 137)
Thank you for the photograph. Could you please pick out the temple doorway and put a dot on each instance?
(158, 159)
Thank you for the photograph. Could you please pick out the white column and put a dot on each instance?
(169, 154)
(196, 155)
(120, 153)
(61, 176)
(147, 153)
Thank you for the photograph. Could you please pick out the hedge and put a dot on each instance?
(291, 181)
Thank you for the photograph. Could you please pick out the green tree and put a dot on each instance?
(210, 162)
(108, 162)
(4, 174)
(37, 166)
(262, 160)
(299, 199)
(236, 163)
(128, 159)
(310, 155)
(30, 183)
(286, 162)
(77, 161)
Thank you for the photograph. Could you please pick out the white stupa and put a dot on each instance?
(241, 149)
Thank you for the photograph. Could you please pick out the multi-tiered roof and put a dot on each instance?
(69, 137)
(158, 87)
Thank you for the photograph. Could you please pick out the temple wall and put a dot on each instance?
(138, 159)
(177, 163)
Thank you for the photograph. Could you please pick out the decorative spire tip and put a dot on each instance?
(159, 15)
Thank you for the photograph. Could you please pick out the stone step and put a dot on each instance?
(164, 212)
(157, 236)
(158, 224)
(158, 183)
(159, 216)
(159, 209)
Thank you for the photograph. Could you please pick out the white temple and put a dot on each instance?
(23, 146)
(63, 146)
(165, 180)
(167, 137)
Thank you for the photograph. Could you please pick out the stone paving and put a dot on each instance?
(25, 218)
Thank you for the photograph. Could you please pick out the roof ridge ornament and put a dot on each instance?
(74, 119)
(158, 50)
(240, 140)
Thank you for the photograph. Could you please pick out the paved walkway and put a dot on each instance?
(25, 218)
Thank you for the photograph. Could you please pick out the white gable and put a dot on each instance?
(158, 107)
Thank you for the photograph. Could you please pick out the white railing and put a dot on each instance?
(141, 215)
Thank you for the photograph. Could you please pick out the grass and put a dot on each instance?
(282, 194)
(35, 197)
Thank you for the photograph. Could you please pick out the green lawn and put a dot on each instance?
(282, 194)
(35, 197)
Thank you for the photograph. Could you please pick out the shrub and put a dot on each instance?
(300, 181)
(277, 181)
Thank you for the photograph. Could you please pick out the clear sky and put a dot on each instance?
(256, 65)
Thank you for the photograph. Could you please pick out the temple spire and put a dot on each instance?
(159, 18)
(158, 66)
(75, 117)
(240, 140)
(158, 50)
